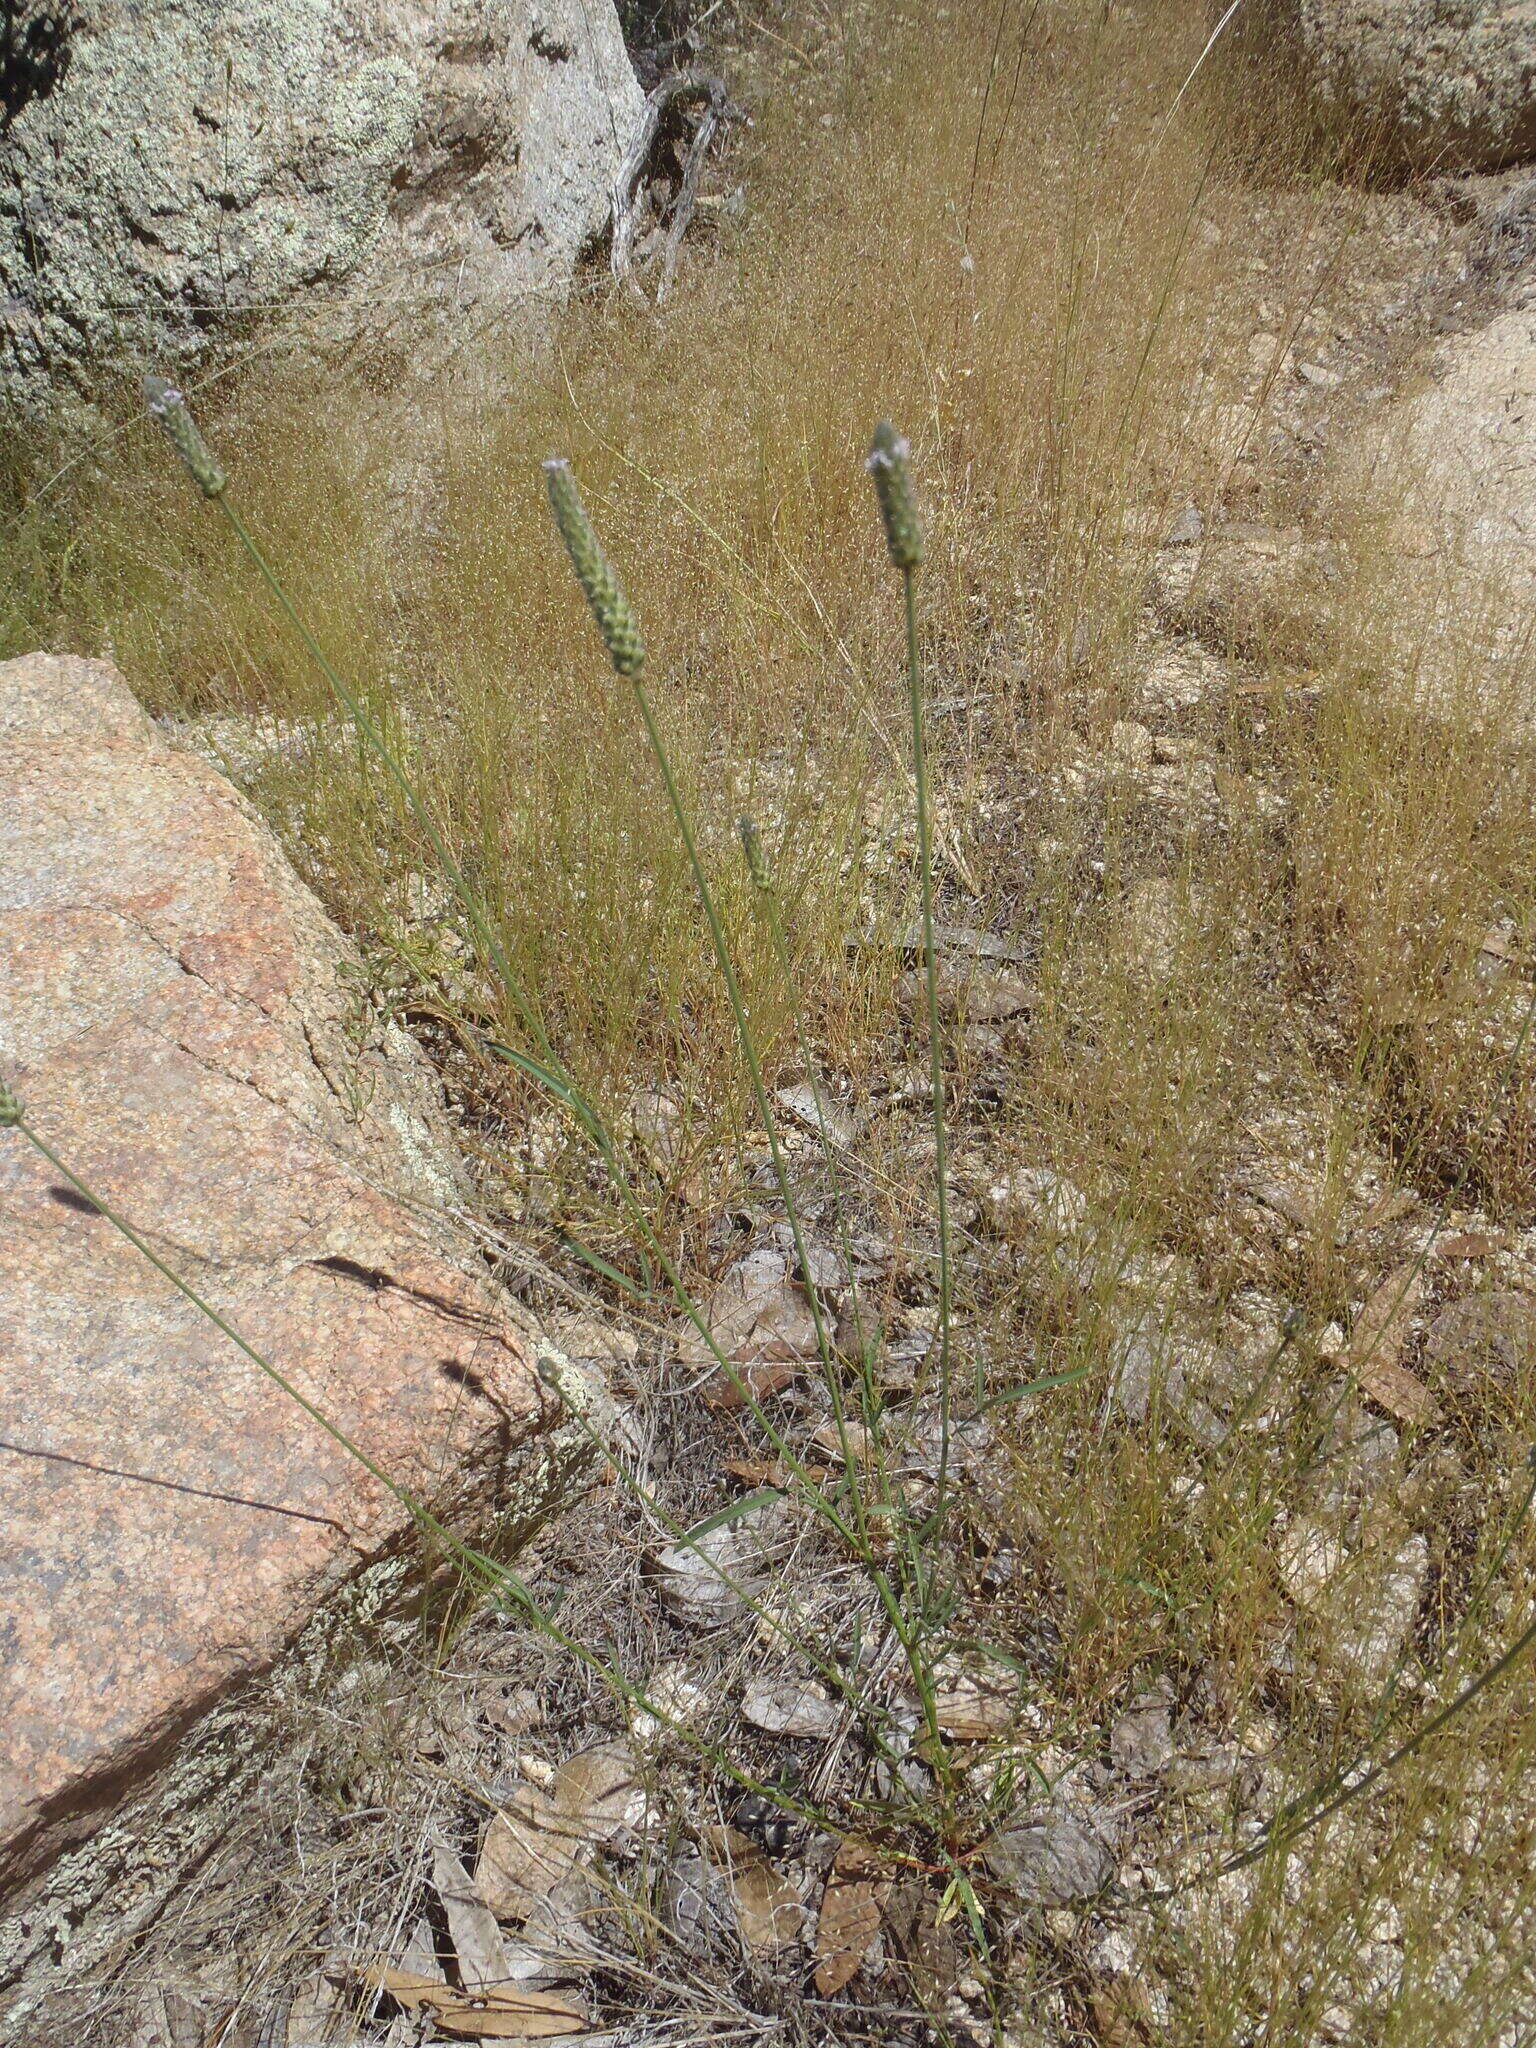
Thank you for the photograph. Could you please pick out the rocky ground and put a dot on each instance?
(704, 1798)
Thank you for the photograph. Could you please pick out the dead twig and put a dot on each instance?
(688, 192)
(683, 87)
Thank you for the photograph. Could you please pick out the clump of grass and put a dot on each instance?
(1059, 305)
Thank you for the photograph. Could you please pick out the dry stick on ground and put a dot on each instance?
(686, 85)
(682, 212)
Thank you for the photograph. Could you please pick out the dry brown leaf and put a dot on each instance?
(756, 1313)
(1391, 1207)
(599, 1792)
(1467, 1244)
(857, 1858)
(828, 1438)
(771, 1472)
(977, 1698)
(472, 1925)
(1399, 1391)
(769, 1915)
(706, 1577)
(1379, 1334)
(1500, 943)
(850, 1915)
(927, 1947)
(514, 1712)
(502, 2014)
(845, 1932)
(758, 1471)
(1121, 2010)
(529, 1848)
(510, 2016)
(752, 1382)
(412, 1988)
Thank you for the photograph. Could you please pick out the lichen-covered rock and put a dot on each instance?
(1438, 84)
(165, 167)
(179, 1022)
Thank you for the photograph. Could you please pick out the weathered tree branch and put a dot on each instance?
(682, 87)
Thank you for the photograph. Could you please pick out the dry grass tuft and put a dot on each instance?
(1251, 881)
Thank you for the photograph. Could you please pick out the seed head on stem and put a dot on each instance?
(756, 859)
(11, 1111)
(169, 409)
(887, 466)
(612, 610)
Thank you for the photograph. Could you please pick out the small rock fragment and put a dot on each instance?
(812, 1105)
(1187, 528)
(1035, 1198)
(977, 1701)
(1141, 1741)
(1364, 1604)
(968, 994)
(1384, 1619)
(1053, 1861)
(1311, 1557)
(1484, 1339)
(676, 1695)
(791, 1706)
(698, 1580)
(757, 1316)
(657, 1121)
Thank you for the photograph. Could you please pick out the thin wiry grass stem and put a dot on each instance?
(900, 1621)
(935, 1036)
(372, 733)
(551, 1073)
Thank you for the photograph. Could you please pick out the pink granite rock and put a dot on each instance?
(173, 1016)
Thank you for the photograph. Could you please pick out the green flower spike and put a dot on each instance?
(887, 465)
(757, 860)
(169, 408)
(10, 1109)
(615, 617)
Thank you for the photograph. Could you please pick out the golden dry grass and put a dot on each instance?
(1038, 252)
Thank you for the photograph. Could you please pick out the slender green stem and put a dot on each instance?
(935, 1039)
(899, 1620)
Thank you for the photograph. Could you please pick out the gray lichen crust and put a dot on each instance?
(167, 167)
(1446, 85)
